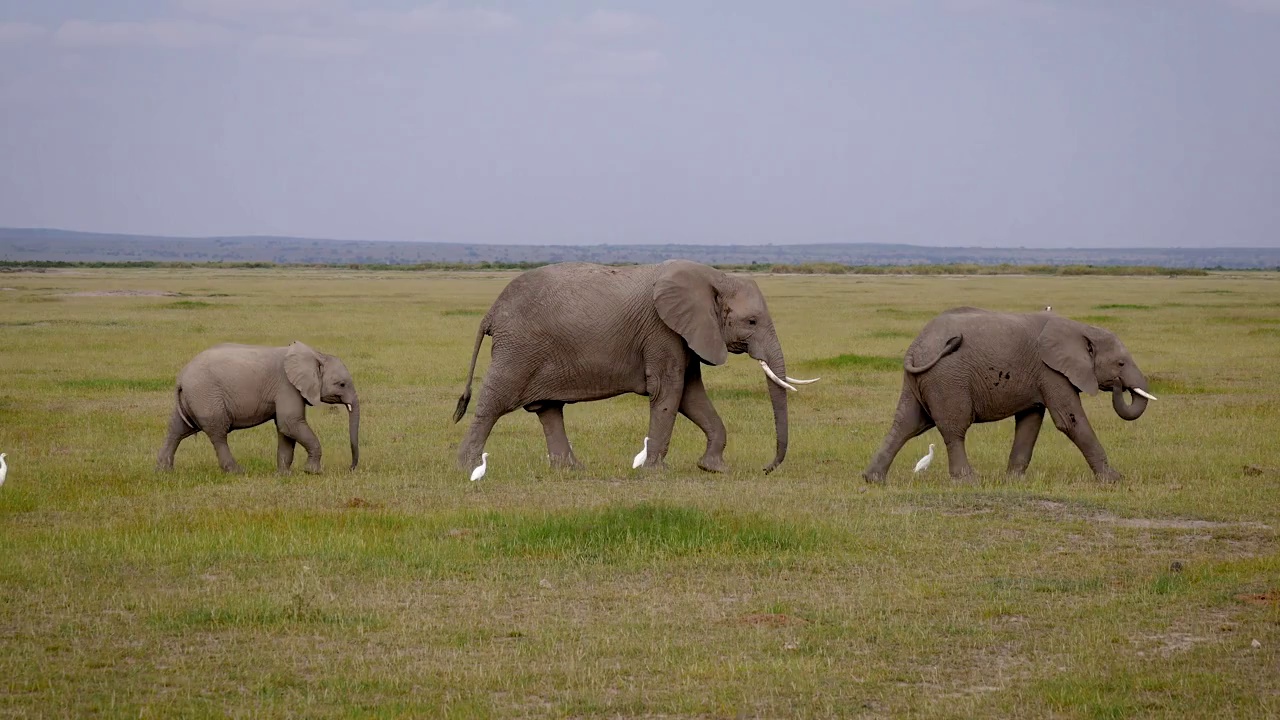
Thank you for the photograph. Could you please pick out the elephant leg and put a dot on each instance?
(218, 436)
(473, 443)
(1025, 432)
(284, 451)
(696, 405)
(179, 430)
(1069, 417)
(910, 420)
(500, 394)
(551, 415)
(665, 394)
(957, 458)
(299, 430)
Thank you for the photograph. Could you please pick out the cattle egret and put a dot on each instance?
(924, 461)
(4, 468)
(1047, 308)
(641, 456)
(479, 471)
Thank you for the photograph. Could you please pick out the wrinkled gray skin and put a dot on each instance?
(229, 387)
(970, 365)
(575, 332)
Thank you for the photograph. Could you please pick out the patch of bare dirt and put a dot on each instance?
(1254, 470)
(122, 293)
(1152, 524)
(1270, 597)
(1166, 644)
(772, 619)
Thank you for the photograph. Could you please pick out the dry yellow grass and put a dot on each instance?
(404, 589)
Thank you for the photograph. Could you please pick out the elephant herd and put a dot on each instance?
(576, 332)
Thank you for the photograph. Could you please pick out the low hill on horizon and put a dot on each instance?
(31, 244)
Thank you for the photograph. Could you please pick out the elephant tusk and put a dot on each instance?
(1143, 393)
(794, 381)
(775, 378)
(348, 407)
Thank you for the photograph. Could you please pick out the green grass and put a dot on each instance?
(404, 590)
(860, 362)
(118, 384)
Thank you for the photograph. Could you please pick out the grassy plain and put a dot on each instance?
(404, 589)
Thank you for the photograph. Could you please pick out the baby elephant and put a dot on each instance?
(229, 387)
(970, 365)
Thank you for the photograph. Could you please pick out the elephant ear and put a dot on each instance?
(1065, 346)
(685, 296)
(302, 367)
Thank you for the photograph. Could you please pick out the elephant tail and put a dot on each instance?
(485, 329)
(950, 347)
(177, 393)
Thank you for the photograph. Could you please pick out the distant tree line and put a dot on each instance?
(775, 268)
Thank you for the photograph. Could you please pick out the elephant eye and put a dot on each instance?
(1121, 363)
(751, 321)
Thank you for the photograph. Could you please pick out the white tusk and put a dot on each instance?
(1143, 393)
(794, 381)
(775, 378)
(348, 407)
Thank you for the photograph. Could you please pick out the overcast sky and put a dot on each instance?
(1038, 123)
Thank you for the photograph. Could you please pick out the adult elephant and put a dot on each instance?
(575, 332)
(230, 387)
(971, 365)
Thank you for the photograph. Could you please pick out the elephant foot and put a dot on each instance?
(964, 476)
(874, 477)
(312, 469)
(1016, 473)
(1108, 476)
(713, 464)
(654, 464)
(233, 470)
(566, 462)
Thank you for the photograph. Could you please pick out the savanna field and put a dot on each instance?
(403, 589)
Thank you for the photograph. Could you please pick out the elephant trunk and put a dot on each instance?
(772, 356)
(353, 426)
(1138, 400)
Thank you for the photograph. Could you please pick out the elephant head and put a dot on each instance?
(717, 314)
(1092, 359)
(324, 378)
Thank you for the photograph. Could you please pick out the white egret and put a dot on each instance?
(1048, 308)
(642, 455)
(479, 471)
(924, 461)
(4, 468)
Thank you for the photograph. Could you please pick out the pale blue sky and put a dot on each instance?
(937, 122)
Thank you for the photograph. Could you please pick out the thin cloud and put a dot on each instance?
(240, 9)
(1256, 6)
(18, 33)
(439, 18)
(172, 34)
(612, 23)
(626, 64)
(302, 46)
(1041, 9)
